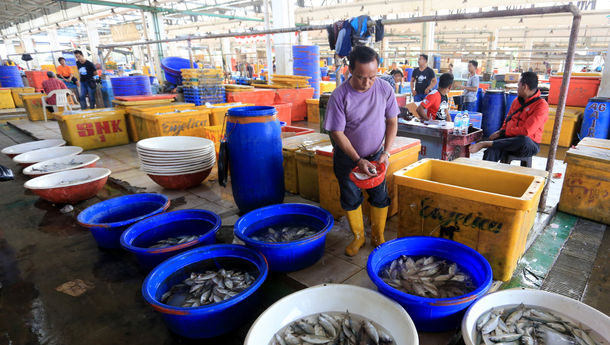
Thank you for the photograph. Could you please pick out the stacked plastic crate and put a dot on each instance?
(202, 86)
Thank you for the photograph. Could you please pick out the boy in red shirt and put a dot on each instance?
(436, 104)
(521, 132)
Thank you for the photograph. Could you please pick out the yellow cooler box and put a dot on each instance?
(189, 122)
(404, 151)
(313, 110)
(594, 142)
(93, 128)
(6, 99)
(218, 111)
(488, 210)
(289, 148)
(33, 105)
(586, 186)
(150, 109)
(15, 91)
(572, 117)
(327, 86)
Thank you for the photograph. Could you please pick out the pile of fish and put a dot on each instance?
(427, 277)
(207, 288)
(285, 234)
(332, 328)
(529, 325)
(172, 241)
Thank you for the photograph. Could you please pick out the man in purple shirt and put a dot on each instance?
(360, 114)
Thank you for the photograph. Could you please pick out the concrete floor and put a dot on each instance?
(42, 251)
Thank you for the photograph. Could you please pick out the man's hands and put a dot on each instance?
(366, 167)
(427, 91)
(385, 160)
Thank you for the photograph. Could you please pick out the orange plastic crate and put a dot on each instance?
(256, 97)
(297, 97)
(35, 78)
(580, 90)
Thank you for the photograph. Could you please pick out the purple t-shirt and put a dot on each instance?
(361, 115)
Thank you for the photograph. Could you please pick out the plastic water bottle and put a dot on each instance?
(457, 123)
(465, 122)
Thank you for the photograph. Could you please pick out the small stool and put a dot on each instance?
(525, 161)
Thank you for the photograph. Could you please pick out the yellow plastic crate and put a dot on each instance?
(594, 142)
(307, 172)
(185, 122)
(218, 111)
(327, 86)
(485, 209)
(289, 147)
(404, 151)
(572, 117)
(151, 109)
(93, 128)
(518, 170)
(6, 99)
(215, 134)
(313, 110)
(585, 192)
(33, 105)
(15, 91)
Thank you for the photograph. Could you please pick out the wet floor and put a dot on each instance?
(58, 287)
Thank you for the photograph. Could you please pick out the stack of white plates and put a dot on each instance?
(181, 155)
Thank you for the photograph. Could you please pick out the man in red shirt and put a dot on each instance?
(52, 84)
(521, 132)
(436, 104)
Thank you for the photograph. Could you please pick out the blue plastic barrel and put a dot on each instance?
(408, 74)
(432, 314)
(287, 256)
(255, 157)
(479, 101)
(307, 62)
(108, 219)
(172, 65)
(138, 85)
(208, 320)
(510, 97)
(437, 63)
(145, 233)
(493, 111)
(107, 93)
(10, 77)
(596, 120)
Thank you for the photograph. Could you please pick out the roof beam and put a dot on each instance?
(159, 9)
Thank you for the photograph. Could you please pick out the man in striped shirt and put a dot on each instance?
(52, 84)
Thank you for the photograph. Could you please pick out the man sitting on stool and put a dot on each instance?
(521, 132)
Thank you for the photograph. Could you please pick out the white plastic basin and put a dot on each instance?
(61, 164)
(334, 298)
(31, 146)
(46, 154)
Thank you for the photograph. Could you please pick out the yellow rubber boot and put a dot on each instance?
(357, 225)
(378, 218)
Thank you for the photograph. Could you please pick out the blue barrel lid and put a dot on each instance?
(252, 111)
(599, 99)
(494, 91)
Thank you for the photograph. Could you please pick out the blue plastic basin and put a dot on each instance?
(214, 319)
(287, 256)
(108, 219)
(147, 232)
(432, 314)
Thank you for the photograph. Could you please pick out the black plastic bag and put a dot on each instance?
(223, 163)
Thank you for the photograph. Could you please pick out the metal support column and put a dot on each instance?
(563, 93)
(190, 48)
(268, 43)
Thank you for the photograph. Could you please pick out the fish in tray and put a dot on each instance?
(172, 241)
(332, 328)
(206, 288)
(427, 276)
(285, 234)
(530, 325)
